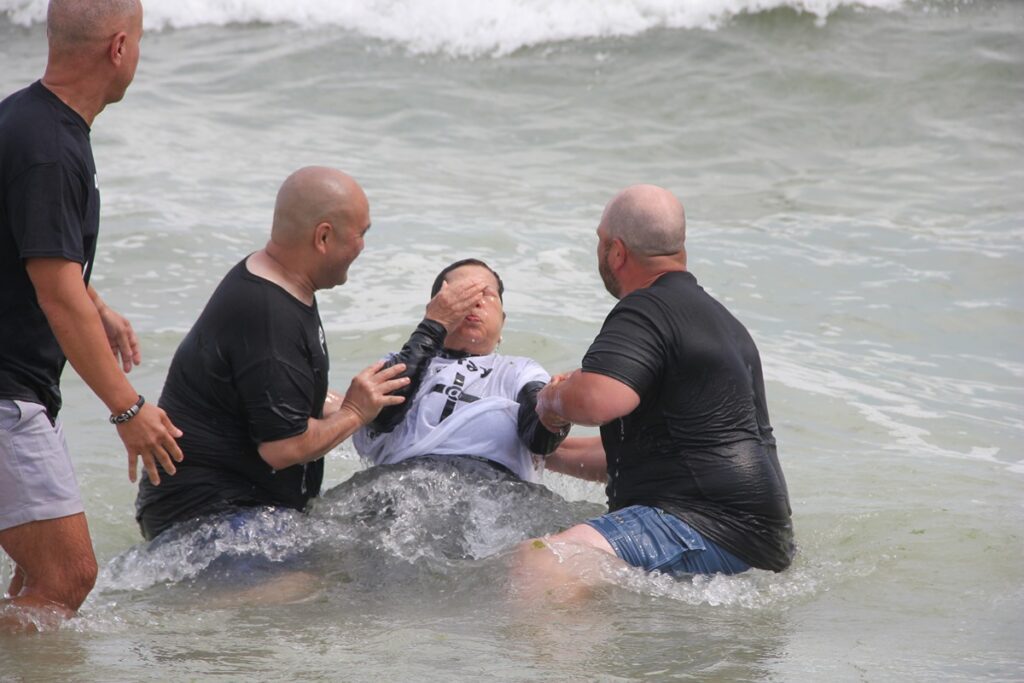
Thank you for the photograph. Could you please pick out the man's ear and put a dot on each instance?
(117, 46)
(321, 234)
(617, 254)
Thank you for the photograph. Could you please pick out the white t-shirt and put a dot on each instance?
(464, 406)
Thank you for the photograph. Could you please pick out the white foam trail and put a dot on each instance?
(465, 29)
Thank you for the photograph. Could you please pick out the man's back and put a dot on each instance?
(699, 445)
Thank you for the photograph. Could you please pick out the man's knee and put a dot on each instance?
(583, 534)
(66, 583)
(55, 560)
(77, 582)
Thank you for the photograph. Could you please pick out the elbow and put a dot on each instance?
(277, 455)
(54, 306)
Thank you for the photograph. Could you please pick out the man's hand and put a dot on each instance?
(150, 435)
(121, 336)
(369, 391)
(454, 302)
(549, 404)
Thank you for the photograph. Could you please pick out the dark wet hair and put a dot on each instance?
(439, 280)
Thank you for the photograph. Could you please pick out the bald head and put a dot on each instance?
(72, 23)
(648, 219)
(311, 196)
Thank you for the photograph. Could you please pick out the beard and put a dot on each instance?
(611, 283)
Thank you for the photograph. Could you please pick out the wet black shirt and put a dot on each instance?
(49, 208)
(699, 445)
(252, 369)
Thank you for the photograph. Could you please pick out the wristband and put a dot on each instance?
(128, 414)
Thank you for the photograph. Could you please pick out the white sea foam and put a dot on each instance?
(497, 27)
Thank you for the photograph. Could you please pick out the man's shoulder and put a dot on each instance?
(255, 312)
(18, 101)
(26, 108)
(35, 131)
(670, 289)
(236, 297)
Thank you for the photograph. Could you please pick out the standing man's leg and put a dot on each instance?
(55, 567)
(42, 523)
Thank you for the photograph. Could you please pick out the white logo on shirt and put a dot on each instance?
(96, 180)
(323, 340)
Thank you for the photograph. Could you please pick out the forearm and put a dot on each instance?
(585, 398)
(74, 318)
(319, 438)
(95, 297)
(581, 457)
(332, 403)
(572, 403)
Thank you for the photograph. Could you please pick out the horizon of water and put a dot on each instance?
(848, 172)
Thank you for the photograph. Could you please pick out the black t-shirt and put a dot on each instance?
(252, 369)
(49, 208)
(699, 445)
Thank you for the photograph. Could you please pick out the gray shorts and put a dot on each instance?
(37, 480)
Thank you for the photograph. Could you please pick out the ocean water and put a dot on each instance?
(848, 170)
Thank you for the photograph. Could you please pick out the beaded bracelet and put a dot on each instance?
(128, 414)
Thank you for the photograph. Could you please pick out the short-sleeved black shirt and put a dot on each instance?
(699, 445)
(49, 208)
(252, 369)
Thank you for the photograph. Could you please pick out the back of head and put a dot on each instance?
(73, 24)
(648, 219)
(314, 195)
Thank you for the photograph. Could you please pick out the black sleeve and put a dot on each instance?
(531, 432)
(275, 395)
(424, 343)
(628, 348)
(44, 221)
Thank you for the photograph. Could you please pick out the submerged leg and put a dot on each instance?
(55, 570)
(565, 567)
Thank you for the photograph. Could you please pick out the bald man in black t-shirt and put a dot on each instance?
(686, 448)
(50, 314)
(248, 383)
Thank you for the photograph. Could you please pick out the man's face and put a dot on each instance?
(351, 240)
(604, 245)
(347, 241)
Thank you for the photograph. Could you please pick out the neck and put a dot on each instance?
(272, 263)
(644, 275)
(76, 91)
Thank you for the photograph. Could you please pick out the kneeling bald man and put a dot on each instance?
(248, 384)
(674, 380)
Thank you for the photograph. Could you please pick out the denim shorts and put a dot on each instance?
(37, 480)
(657, 541)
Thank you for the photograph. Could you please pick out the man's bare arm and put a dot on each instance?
(366, 396)
(585, 398)
(76, 323)
(580, 456)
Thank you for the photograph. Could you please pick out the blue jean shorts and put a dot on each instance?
(37, 480)
(657, 541)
